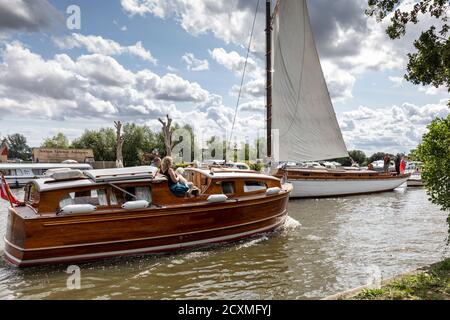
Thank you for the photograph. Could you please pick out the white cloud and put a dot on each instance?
(349, 42)
(229, 21)
(234, 62)
(392, 129)
(194, 64)
(98, 44)
(430, 90)
(397, 81)
(94, 84)
(97, 86)
(340, 82)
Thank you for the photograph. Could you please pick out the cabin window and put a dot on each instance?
(228, 187)
(252, 186)
(96, 197)
(141, 193)
(32, 194)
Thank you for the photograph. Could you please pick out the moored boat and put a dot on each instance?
(415, 180)
(414, 167)
(301, 114)
(329, 183)
(75, 217)
(19, 174)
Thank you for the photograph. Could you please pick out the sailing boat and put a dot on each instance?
(302, 115)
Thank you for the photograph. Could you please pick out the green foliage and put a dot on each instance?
(414, 155)
(433, 283)
(376, 156)
(102, 142)
(258, 166)
(435, 153)
(357, 155)
(18, 147)
(59, 141)
(138, 139)
(430, 64)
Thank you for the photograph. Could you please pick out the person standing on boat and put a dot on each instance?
(398, 159)
(178, 185)
(387, 163)
(402, 165)
(156, 163)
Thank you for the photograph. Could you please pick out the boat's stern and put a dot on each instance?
(15, 237)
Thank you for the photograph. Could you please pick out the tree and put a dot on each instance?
(59, 141)
(138, 140)
(17, 147)
(376, 156)
(430, 65)
(167, 134)
(119, 144)
(434, 151)
(102, 142)
(358, 156)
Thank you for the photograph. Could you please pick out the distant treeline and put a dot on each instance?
(141, 141)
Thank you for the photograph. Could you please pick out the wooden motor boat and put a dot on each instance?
(74, 217)
(316, 183)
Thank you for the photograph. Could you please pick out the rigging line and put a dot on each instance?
(243, 73)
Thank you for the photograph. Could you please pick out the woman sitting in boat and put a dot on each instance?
(178, 185)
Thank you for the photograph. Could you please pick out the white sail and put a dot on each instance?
(302, 108)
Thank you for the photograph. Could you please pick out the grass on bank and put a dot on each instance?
(433, 283)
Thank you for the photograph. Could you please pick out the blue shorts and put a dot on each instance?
(179, 189)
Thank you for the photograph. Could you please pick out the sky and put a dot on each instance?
(137, 60)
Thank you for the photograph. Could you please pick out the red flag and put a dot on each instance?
(6, 194)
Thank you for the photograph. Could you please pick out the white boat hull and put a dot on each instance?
(315, 188)
(415, 182)
(19, 182)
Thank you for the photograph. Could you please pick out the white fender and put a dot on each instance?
(134, 205)
(78, 208)
(214, 198)
(273, 191)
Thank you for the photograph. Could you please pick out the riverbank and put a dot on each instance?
(427, 283)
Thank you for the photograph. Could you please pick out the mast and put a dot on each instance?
(269, 76)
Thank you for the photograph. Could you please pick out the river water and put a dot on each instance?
(327, 246)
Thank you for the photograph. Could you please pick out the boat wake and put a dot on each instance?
(251, 243)
(291, 224)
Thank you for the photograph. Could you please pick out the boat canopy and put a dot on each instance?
(45, 166)
(122, 174)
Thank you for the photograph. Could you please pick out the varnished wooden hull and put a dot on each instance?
(70, 239)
